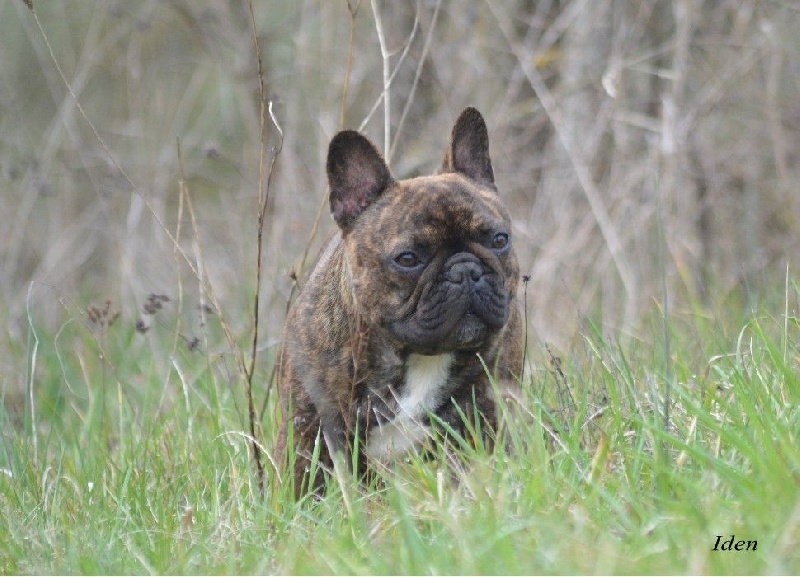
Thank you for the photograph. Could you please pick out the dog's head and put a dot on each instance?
(429, 260)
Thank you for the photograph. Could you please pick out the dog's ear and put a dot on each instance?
(468, 153)
(357, 175)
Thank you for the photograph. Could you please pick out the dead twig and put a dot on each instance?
(388, 82)
(103, 144)
(263, 198)
(417, 74)
(579, 165)
(387, 102)
(353, 9)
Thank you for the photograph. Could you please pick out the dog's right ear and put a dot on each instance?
(357, 175)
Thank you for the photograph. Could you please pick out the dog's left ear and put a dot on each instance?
(468, 153)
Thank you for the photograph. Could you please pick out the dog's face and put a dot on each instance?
(429, 259)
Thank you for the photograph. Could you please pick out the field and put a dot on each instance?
(138, 468)
(648, 154)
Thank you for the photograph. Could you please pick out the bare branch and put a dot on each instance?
(579, 165)
(387, 102)
(417, 74)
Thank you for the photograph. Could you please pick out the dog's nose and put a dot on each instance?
(463, 271)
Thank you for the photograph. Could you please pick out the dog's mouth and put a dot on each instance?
(459, 323)
(470, 332)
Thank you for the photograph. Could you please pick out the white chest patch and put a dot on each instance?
(426, 377)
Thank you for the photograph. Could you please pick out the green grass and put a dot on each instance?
(139, 465)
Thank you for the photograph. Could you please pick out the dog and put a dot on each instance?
(407, 306)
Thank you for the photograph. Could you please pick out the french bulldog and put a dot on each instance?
(408, 305)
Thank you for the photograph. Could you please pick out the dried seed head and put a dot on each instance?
(155, 303)
(206, 308)
(102, 316)
(193, 344)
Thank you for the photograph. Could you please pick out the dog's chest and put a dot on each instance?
(425, 383)
(424, 389)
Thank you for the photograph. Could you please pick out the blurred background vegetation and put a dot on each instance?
(648, 150)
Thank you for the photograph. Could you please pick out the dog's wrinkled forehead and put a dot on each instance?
(453, 205)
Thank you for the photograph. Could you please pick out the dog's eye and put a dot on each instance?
(407, 259)
(500, 241)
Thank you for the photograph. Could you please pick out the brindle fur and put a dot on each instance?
(344, 354)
